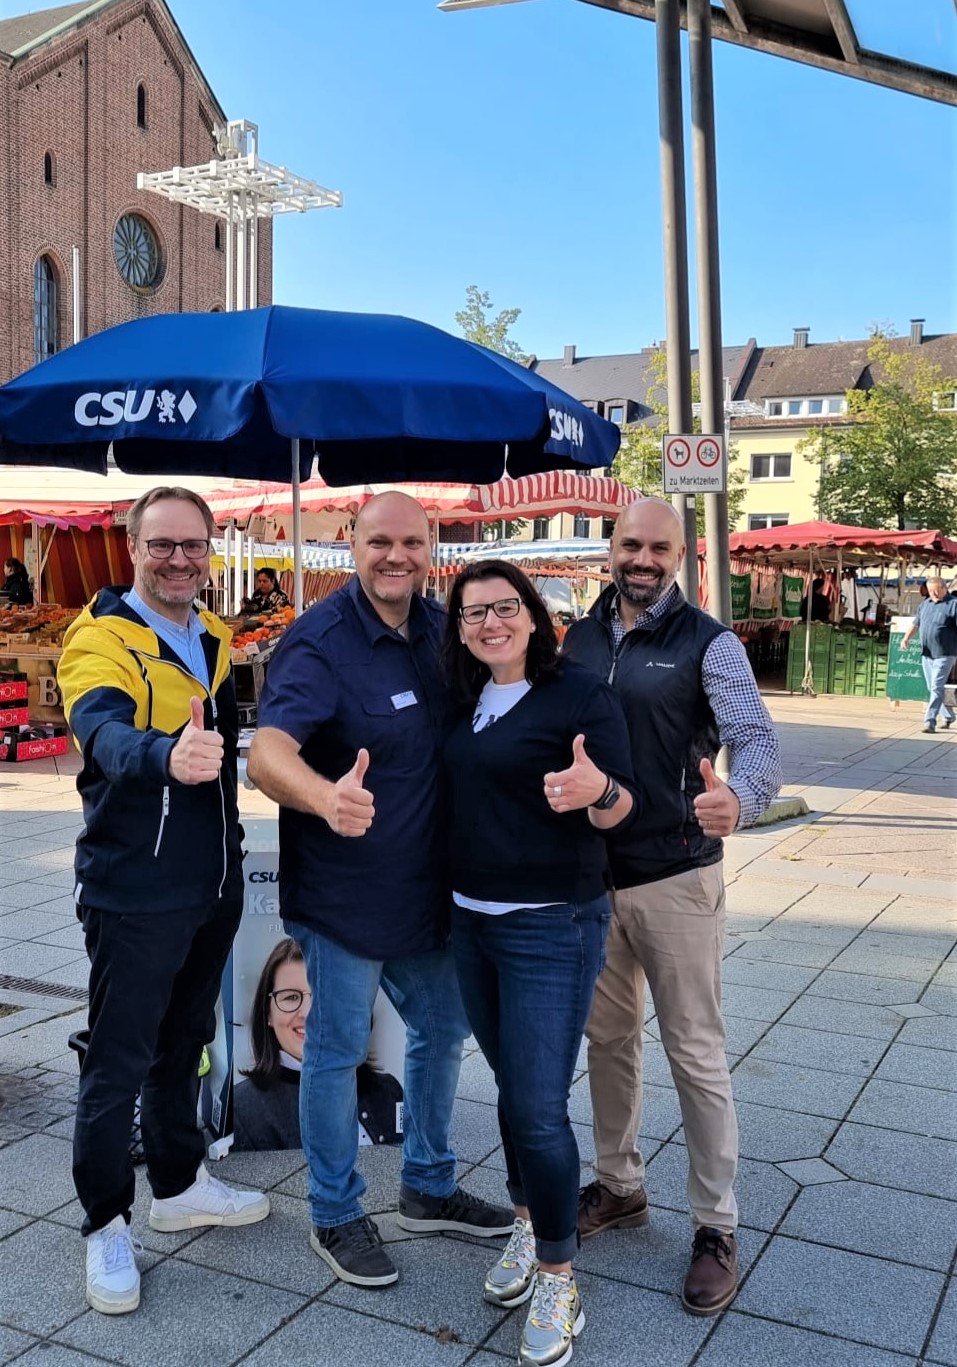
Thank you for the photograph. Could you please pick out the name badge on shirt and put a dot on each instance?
(400, 700)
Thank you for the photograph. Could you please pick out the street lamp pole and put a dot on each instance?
(710, 360)
(675, 246)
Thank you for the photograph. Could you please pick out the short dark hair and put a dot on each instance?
(135, 515)
(270, 574)
(266, 1063)
(16, 566)
(467, 676)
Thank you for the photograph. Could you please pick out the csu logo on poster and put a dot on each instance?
(132, 405)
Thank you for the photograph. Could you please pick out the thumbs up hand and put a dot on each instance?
(197, 756)
(568, 790)
(350, 807)
(717, 809)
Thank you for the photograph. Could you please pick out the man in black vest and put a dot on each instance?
(687, 688)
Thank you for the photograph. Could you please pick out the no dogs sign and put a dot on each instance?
(693, 464)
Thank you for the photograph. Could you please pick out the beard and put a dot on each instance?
(642, 596)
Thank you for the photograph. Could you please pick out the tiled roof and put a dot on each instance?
(17, 32)
(780, 372)
(627, 376)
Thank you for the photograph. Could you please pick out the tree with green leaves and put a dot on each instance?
(638, 462)
(894, 463)
(490, 332)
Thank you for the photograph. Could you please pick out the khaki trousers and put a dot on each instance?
(669, 933)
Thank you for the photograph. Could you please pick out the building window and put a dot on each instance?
(218, 237)
(607, 528)
(615, 412)
(141, 106)
(815, 407)
(945, 400)
(776, 466)
(836, 405)
(759, 522)
(775, 408)
(540, 529)
(794, 407)
(49, 169)
(136, 252)
(45, 330)
(582, 525)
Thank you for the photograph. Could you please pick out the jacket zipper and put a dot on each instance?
(159, 659)
(159, 833)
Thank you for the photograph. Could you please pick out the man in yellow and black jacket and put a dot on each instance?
(149, 696)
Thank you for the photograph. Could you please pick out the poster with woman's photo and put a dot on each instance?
(253, 1090)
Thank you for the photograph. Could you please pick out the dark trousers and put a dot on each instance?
(527, 980)
(154, 980)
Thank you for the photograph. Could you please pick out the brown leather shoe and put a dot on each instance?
(712, 1280)
(600, 1209)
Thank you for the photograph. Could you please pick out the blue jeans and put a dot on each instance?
(527, 979)
(936, 674)
(424, 991)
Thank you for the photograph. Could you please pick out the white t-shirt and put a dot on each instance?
(494, 702)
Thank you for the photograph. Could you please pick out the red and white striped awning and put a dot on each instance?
(560, 491)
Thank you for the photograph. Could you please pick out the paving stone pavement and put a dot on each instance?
(841, 1003)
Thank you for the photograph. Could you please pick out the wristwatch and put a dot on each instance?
(609, 797)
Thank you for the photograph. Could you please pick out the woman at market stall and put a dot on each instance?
(16, 591)
(266, 1102)
(268, 595)
(537, 760)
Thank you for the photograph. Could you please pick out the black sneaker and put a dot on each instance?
(355, 1253)
(462, 1212)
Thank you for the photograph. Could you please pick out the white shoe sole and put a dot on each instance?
(343, 1273)
(117, 1307)
(174, 1224)
(413, 1226)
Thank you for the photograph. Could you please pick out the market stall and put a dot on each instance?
(853, 652)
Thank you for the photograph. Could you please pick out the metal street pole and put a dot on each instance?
(710, 360)
(675, 235)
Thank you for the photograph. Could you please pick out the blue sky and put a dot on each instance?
(516, 148)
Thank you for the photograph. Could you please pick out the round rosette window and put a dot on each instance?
(136, 252)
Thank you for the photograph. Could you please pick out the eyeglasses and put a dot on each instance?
(161, 549)
(289, 999)
(477, 612)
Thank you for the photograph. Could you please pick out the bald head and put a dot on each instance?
(393, 552)
(647, 548)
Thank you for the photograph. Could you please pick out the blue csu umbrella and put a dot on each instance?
(257, 394)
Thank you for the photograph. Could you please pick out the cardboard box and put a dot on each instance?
(13, 686)
(33, 742)
(14, 716)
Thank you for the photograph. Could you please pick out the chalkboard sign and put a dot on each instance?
(905, 676)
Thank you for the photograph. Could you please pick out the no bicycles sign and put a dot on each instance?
(693, 464)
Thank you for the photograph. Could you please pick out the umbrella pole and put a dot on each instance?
(296, 528)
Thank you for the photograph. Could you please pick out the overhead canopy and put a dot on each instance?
(856, 545)
(850, 39)
(544, 495)
(62, 515)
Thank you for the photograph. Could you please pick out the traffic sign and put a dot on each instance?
(693, 464)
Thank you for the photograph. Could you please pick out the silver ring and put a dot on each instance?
(557, 791)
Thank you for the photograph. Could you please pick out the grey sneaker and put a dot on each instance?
(460, 1212)
(555, 1319)
(355, 1253)
(112, 1277)
(511, 1279)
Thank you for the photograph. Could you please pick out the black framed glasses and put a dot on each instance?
(477, 612)
(289, 999)
(161, 549)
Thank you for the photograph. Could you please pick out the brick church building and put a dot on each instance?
(91, 94)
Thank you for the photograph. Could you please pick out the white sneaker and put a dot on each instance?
(208, 1202)
(112, 1277)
